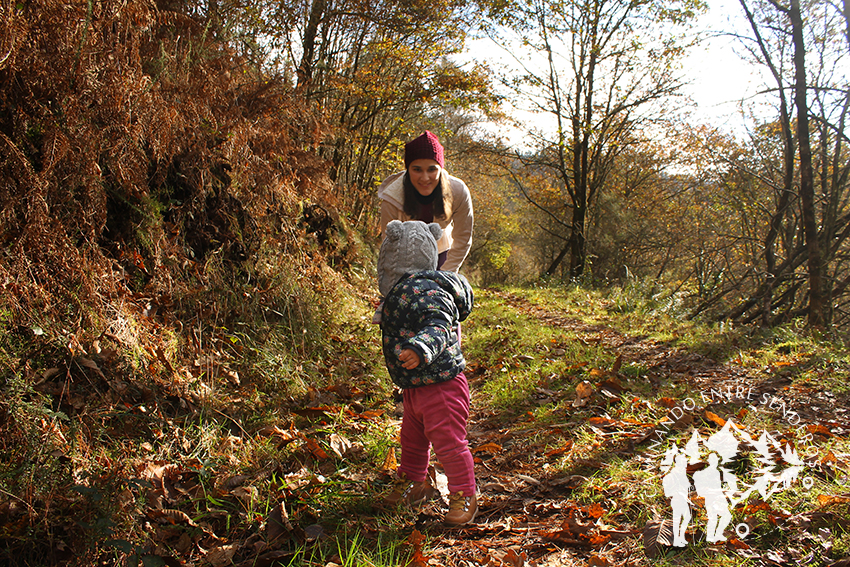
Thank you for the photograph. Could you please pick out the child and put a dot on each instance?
(419, 328)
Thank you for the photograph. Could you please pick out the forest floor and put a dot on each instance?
(580, 482)
(578, 402)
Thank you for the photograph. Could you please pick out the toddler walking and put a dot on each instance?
(419, 328)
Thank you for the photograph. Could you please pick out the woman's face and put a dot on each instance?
(424, 174)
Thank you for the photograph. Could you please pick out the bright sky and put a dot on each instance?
(719, 78)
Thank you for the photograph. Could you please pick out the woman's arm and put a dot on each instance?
(462, 222)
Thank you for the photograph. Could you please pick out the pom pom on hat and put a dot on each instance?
(408, 247)
(426, 146)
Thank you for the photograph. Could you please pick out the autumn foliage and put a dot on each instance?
(134, 148)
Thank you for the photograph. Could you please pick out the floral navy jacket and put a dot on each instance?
(422, 312)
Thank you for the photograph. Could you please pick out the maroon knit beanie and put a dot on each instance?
(426, 146)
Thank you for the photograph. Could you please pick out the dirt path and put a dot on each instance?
(529, 512)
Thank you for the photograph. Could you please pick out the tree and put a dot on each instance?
(602, 69)
(809, 206)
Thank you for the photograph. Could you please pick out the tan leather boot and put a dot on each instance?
(462, 509)
(408, 492)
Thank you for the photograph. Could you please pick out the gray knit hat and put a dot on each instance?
(407, 247)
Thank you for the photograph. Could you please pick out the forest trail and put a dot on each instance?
(570, 474)
(531, 514)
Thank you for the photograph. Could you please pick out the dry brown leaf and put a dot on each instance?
(339, 444)
(220, 556)
(277, 524)
(315, 532)
(390, 462)
(370, 414)
(415, 541)
(234, 481)
(565, 448)
(488, 448)
(612, 385)
(595, 511)
(829, 458)
(617, 364)
(714, 418)
(598, 561)
(830, 499)
(584, 390)
(170, 516)
(89, 363)
(667, 402)
(529, 479)
(657, 534)
(513, 559)
(315, 449)
(246, 494)
(818, 429)
(575, 526)
(736, 543)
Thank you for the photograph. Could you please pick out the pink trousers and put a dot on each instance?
(435, 415)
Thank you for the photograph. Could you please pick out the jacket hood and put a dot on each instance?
(456, 286)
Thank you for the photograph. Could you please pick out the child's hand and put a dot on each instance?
(409, 359)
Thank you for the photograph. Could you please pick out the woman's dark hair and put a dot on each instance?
(412, 198)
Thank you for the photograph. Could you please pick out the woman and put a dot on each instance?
(425, 191)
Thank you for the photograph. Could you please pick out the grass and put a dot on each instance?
(81, 465)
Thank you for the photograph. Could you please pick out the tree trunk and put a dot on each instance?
(577, 241)
(807, 194)
(308, 44)
(557, 261)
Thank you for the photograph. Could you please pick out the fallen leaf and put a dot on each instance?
(613, 385)
(488, 448)
(246, 494)
(565, 448)
(390, 461)
(529, 479)
(89, 363)
(596, 511)
(415, 541)
(277, 524)
(316, 412)
(512, 559)
(657, 534)
(818, 429)
(598, 561)
(736, 543)
(220, 556)
(339, 444)
(168, 516)
(617, 364)
(714, 418)
(315, 449)
(314, 532)
(575, 526)
(830, 499)
(370, 414)
(282, 437)
(235, 481)
(270, 559)
(583, 391)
